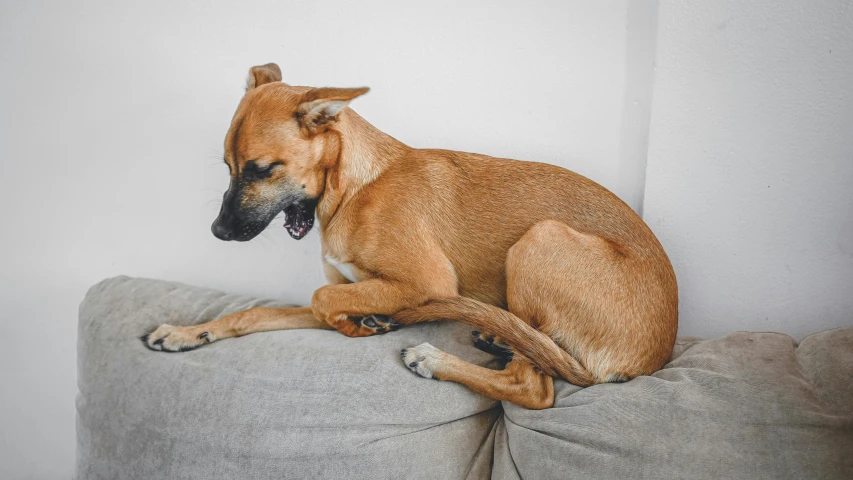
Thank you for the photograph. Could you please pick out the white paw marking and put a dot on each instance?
(168, 338)
(423, 359)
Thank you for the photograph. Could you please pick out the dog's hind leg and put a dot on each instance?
(554, 275)
(523, 338)
(580, 307)
(519, 382)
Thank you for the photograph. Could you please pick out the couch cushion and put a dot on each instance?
(741, 407)
(827, 360)
(290, 404)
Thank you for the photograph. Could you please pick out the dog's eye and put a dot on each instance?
(253, 171)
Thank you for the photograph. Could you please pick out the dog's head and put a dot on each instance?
(280, 145)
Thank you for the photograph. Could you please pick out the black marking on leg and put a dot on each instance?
(488, 345)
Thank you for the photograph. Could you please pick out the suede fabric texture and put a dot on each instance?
(741, 407)
(289, 404)
(315, 404)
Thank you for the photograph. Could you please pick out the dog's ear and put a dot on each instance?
(263, 74)
(319, 107)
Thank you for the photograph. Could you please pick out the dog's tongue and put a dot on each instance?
(296, 222)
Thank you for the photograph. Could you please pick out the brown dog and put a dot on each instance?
(535, 256)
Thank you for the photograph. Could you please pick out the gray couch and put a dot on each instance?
(315, 404)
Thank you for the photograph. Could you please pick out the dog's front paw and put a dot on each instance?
(176, 339)
(375, 324)
(424, 359)
(366, 326)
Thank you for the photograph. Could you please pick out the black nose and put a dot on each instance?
(220, 231)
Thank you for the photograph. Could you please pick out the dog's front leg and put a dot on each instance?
(168, 338)
(363, 308)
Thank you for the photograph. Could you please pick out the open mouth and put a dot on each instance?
(299, 218)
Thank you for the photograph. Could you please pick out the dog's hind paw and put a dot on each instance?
(424, 359)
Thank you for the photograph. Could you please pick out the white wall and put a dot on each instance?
(750, 166)
(112, 116)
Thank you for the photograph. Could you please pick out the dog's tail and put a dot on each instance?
(542, 351)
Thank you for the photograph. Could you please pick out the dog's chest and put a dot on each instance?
(337, 246)
(348, 270)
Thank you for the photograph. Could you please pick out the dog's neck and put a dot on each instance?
(363, 153)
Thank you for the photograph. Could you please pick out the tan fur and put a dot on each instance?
(549, 261)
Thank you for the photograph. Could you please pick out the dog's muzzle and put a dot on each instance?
(229, 227)
(298, 220)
